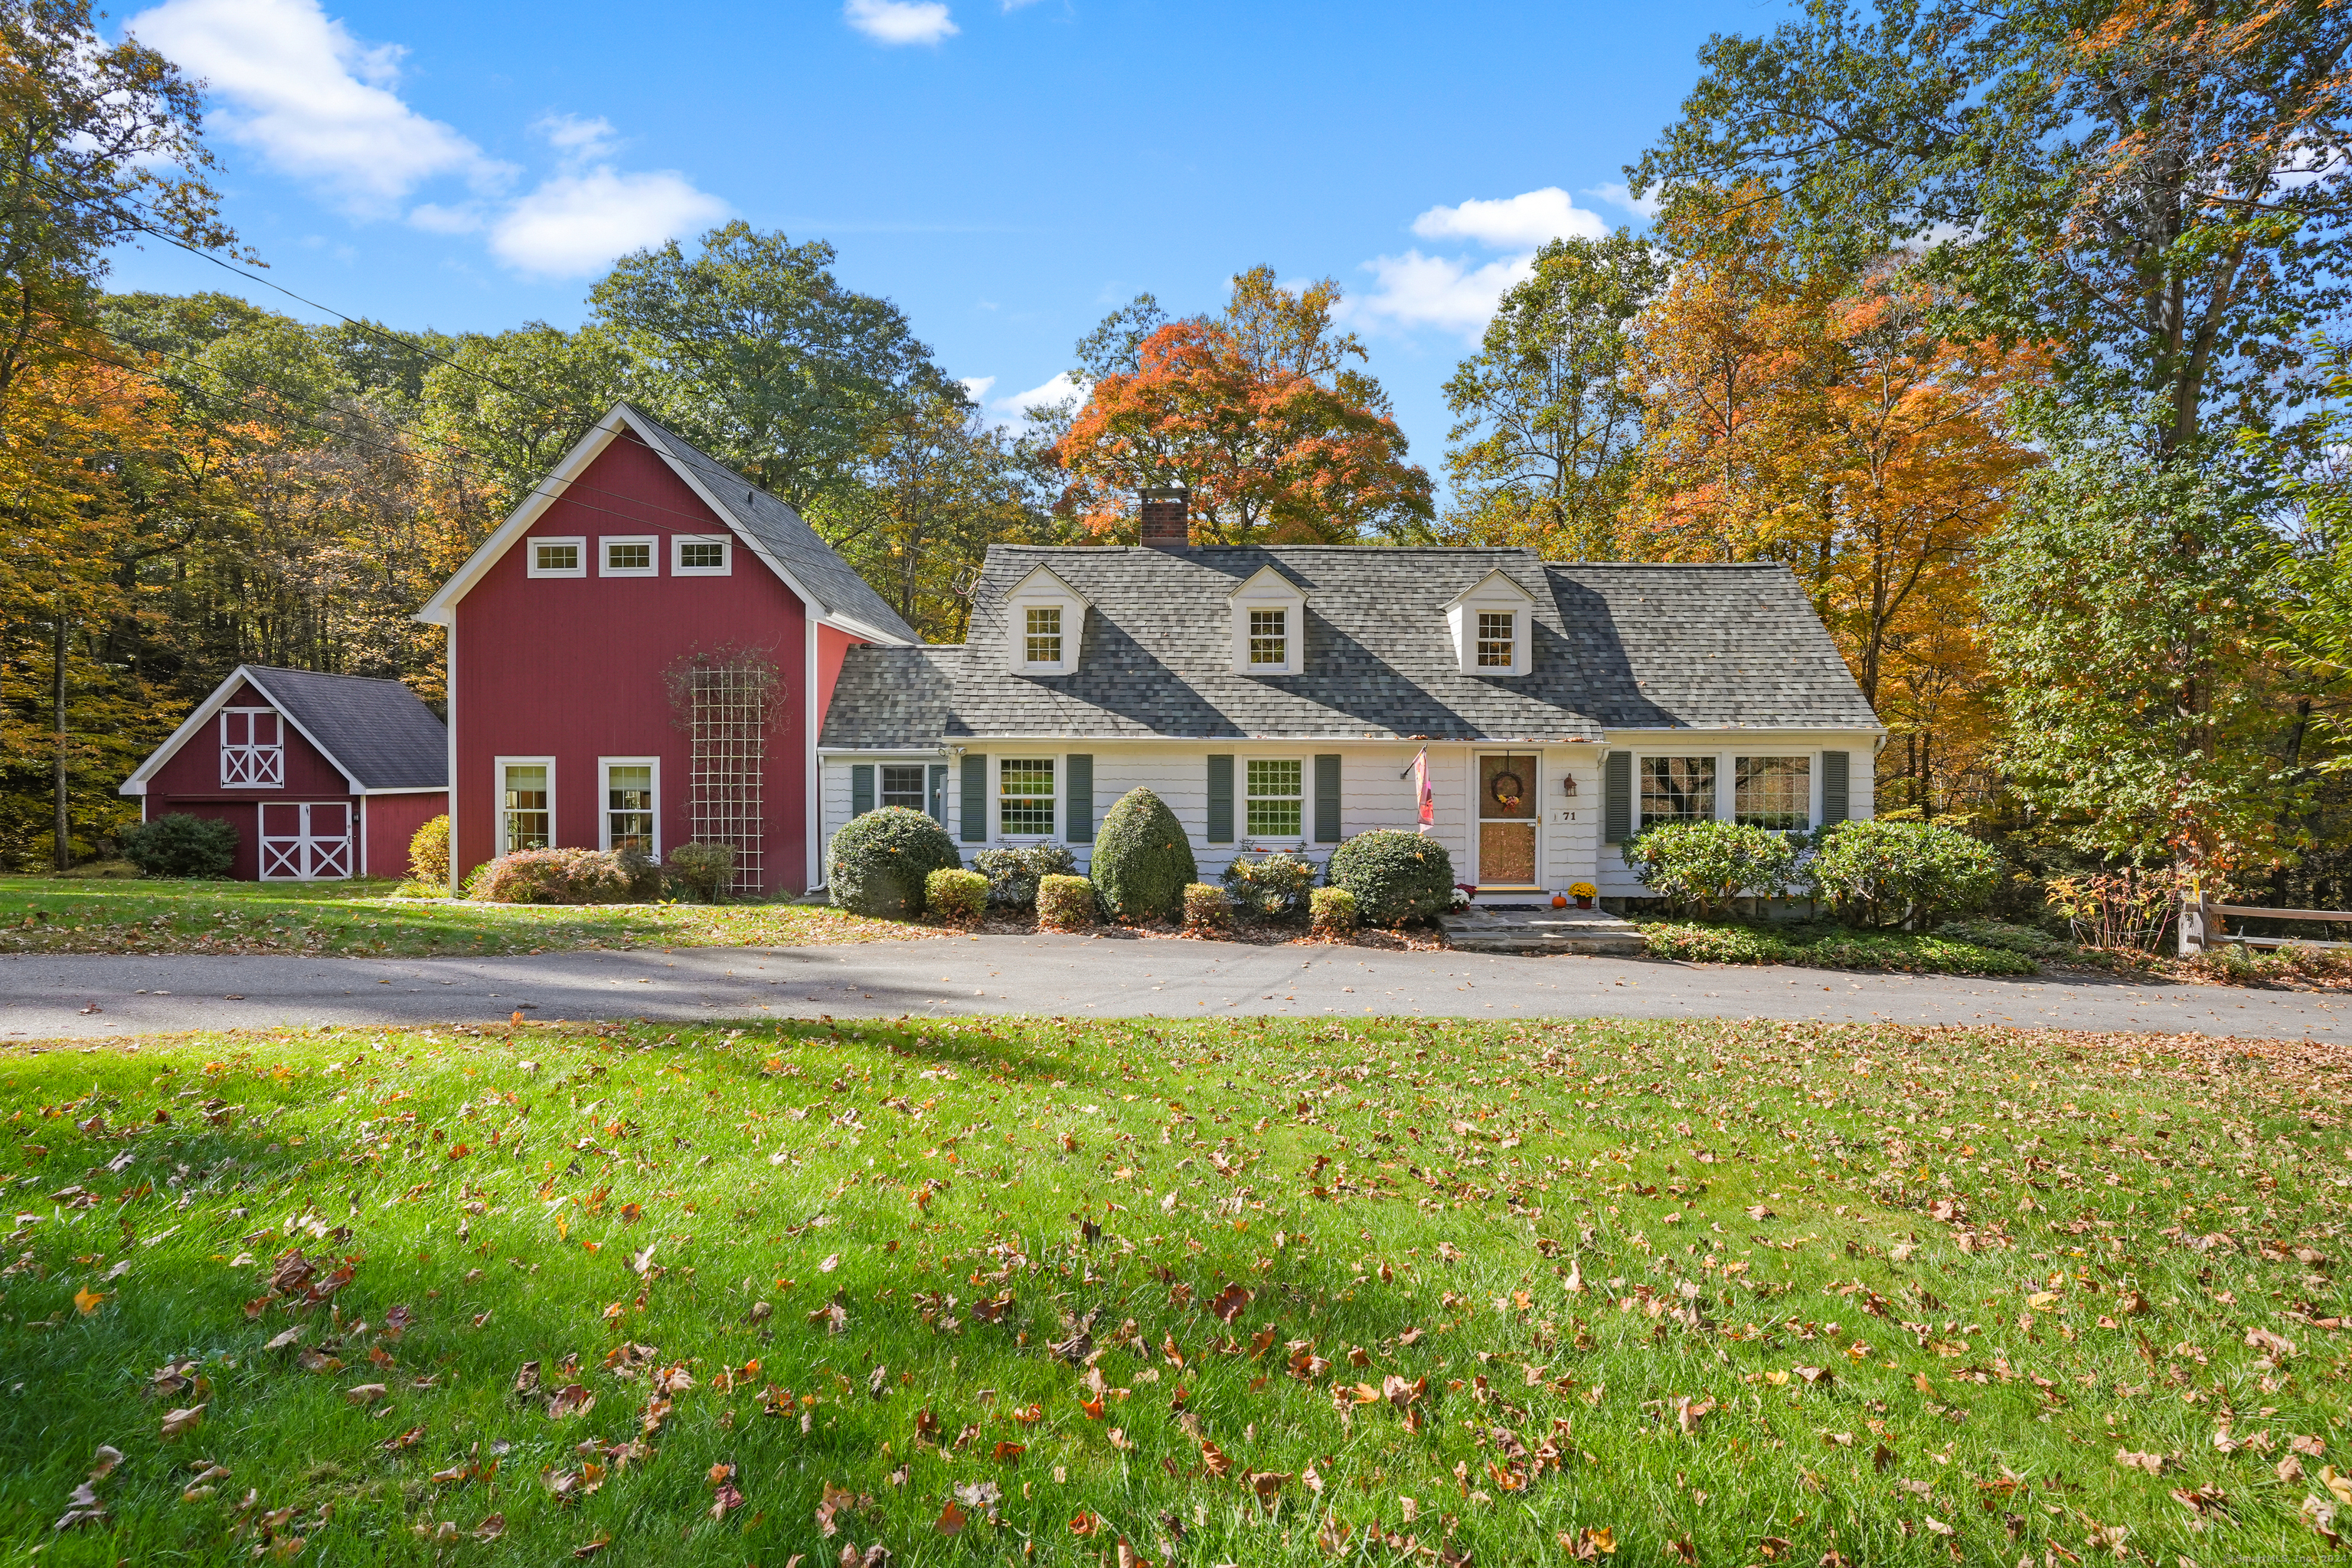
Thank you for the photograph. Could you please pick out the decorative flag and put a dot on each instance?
(1425, 803)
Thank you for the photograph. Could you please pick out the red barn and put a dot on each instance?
(643, 653)
(323, 776)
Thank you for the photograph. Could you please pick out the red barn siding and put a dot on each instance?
(392, 821)
(189, 783)
(571, 667)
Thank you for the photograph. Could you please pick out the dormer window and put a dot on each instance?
(1045, 621)
(1497, 639)
(1269, 637)
(1043, 634)
(1491, 626)
(1269, 625)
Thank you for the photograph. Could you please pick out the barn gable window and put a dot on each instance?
(547, 556)
(252, 749)
(701, 556)
(628, 555)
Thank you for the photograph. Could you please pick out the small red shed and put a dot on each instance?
(323, 776)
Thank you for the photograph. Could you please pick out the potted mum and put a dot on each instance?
(1583, 893)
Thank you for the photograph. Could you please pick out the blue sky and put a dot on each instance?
(1006, 171)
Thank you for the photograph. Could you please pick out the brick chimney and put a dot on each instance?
(1165, 525)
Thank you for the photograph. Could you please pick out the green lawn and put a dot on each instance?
(1035, 1293)
(46, 914)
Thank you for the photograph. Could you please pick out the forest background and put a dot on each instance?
(2016, 332)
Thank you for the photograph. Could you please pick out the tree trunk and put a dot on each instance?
(61, 847)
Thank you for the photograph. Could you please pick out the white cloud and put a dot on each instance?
(574, 223)
(291, 82)
(900, 21)
(1063, 388)
(976, 386)
(1514, 223)
(576, 138)
(1617, 195)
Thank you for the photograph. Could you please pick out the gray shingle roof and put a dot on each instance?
(1615, 648)
(836, 586)
(891, 697)
(377, 729)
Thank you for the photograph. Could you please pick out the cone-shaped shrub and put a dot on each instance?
(1142, 861)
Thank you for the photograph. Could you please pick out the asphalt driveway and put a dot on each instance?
(1106, 975)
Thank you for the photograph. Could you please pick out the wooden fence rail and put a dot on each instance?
(2204, 926)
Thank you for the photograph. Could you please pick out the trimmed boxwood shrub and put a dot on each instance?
(1142, 861)
(701, 870)
(551, 877)
(1880, 873)
(1206, 910)
(179, 845)
(1394, 876)
(1334, 911)
(1013, 872)
(880, 859)
(1704, 866)
(1272, 887)
(956, 895)
(1065, 903)
(428, 852)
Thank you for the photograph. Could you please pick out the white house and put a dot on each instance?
(1277, 697)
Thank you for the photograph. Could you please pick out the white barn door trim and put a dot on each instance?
(306, 841)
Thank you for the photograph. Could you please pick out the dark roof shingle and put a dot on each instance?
(891, 698)
(377, 729)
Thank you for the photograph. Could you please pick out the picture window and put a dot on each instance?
(1677, 789)
(1773, 792)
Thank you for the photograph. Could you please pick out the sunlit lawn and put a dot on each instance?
(39, 915)
(1729, 1294)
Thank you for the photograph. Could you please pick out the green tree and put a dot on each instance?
(759, 355)
(1547, 419)
(2128, 609)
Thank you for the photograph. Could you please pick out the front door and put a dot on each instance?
(306, 841)
(1508, 820)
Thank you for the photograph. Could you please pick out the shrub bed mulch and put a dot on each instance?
(1254, 934)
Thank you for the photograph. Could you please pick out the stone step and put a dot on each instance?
(1542, 930)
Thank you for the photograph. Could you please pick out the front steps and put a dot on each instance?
(1540, 928)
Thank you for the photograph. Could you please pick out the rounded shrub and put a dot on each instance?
(1704, 866)
(1207, 911)
(1272, 887)
(428, 852)
(879, 861)
(1065, 903)
(1394, 876)
(956, 894)
(703, 871)
(1142, 861)
(1013, 872)
(1878, 873)
(179, 845)
(1334, 911)
(550, 876)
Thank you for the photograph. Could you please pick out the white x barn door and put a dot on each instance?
(306, 841)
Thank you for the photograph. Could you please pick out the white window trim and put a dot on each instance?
(1268, 589)
(604, 766)
(604, 567)
(1726, 778)
(531, 554)
(678, 543)
(257, 753)
(1306, 802)
(1061, 640)
(499, 766)
(1494, 595)
(1053, 798)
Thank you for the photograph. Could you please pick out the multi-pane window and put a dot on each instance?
(1275, 788)
(1042, 635)
(628, 556)
(252, 749)
(628, 806)
(1677, 789)
(903, 787)
(1773, 792)
(1497, 639)
(525, 819)
(555, 557)
(698, 556)
(1269, 637)
(1024, 791)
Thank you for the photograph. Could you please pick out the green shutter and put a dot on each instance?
(1834, 803)
(1078, 815)
(937, 795)
(1327, 800)
(861, 789)
(1617, 797)
(1221, 800)
(975, 799)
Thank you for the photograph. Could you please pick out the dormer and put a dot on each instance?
(1269, 613)
(1045, 621)
(1493, 627)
